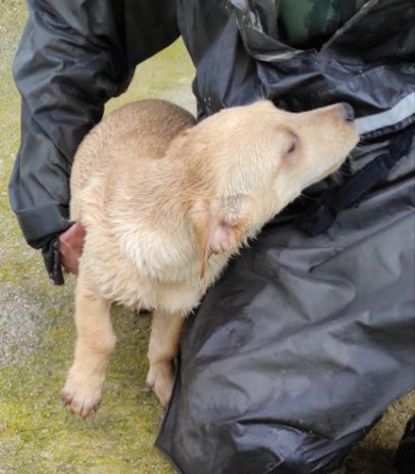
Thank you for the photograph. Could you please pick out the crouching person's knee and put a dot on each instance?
(252, 446)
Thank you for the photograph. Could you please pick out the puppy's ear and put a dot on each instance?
(220, 226)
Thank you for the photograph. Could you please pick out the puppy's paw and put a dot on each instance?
(160, 380)
(82, 392)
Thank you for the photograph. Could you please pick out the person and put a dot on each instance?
(313, 329)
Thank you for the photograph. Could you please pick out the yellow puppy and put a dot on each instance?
(167, 202)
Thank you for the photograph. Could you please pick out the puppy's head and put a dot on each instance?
(254, 160)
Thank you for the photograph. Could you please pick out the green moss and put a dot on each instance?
(120, 437)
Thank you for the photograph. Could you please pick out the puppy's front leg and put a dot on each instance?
(164, 344)
(94, 345)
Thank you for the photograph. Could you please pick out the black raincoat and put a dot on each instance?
(310, 333)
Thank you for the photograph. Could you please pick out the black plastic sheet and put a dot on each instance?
(302, 345)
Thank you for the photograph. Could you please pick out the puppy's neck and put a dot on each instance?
(150, 215)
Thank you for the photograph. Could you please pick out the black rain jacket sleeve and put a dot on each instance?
(72, 58)
(67, 66)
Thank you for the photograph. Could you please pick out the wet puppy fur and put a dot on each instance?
(167, 201)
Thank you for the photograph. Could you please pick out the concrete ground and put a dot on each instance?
(37, 334)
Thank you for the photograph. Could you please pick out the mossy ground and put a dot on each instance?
(36, 433)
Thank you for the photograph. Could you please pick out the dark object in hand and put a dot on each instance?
(405, 455)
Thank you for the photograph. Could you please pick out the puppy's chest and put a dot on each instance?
(119, 280)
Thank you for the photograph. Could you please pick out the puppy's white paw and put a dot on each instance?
(82, 392)
(160, 380)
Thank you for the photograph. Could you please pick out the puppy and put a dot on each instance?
(166, 202)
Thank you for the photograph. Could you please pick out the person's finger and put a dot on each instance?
(69, 257)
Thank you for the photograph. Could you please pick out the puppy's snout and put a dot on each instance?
(346, 111)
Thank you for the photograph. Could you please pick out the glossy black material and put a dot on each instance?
(405, 456)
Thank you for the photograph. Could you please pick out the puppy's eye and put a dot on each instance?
(293, 144)
(292, 147)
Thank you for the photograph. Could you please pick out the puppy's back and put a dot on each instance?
(137, 131)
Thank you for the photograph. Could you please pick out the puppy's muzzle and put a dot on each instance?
(347, 113)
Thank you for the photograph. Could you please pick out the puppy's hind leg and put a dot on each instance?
(164, 344)
(94, 345)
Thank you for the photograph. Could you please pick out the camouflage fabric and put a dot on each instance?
(305, 21)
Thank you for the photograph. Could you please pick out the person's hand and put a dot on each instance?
(71, 244)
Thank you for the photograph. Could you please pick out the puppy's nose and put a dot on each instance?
(347, 112)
